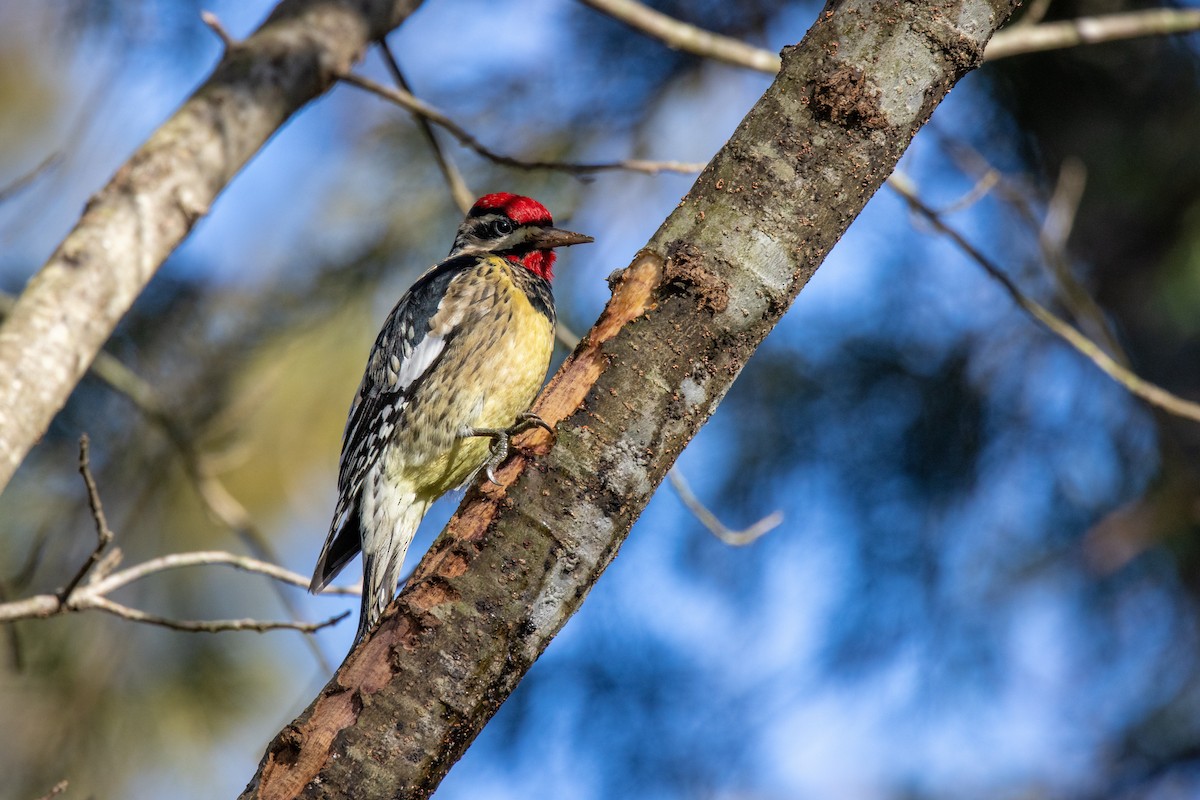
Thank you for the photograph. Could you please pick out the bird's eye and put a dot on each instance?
(502, 226)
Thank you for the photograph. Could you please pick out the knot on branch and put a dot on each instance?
(962, 52)
(686, 272)
(846, 97)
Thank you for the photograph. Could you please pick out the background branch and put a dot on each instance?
(422, 109)
(1139, 387)
(71, 306)
(1015, 40)
(1092, 30)
(93, 594)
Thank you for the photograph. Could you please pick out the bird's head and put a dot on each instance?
(514, 227)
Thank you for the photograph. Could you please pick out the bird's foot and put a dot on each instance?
(501, 437)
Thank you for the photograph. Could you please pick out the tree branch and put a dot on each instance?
(1015, 40)
(459, 191)
(1133, 383)
(710, 521)
(1092, 30)
(20, 182)
(519, 558)
(104, 535)
(79, 595)
(55, 790)
(679, 35)
(425, 111)
(71, 306)
(93, 594)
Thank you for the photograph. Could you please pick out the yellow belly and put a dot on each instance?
(489, 374)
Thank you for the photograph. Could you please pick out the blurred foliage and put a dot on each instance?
(987, 582)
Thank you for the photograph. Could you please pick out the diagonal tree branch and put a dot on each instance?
(1133, 383)
(679, 35)
(518, 559)
(1017, 39)
(71, 306)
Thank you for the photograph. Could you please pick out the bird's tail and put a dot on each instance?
(383, 559)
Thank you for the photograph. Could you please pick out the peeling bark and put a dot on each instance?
(517, 560)
(70, 308)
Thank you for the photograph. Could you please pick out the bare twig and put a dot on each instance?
(1016, 40)
(988, 181)
(210, 625)
(104, 534)
(1019, 40)
(566, 336)
(1139, 387)
(93, 594)
(459, 191)
(421, 108)
(1052, 240)
(214, 23)
(681, 36)
(223, 506)
(1051, 229)
(57, 789)
(208, 558)
(1064, 204)
(216, 497)
(20, 182)
(1034, 14)
(79, 595)
(715, 526)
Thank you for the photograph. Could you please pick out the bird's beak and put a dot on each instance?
(548, 238)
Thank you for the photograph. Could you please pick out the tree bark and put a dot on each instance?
(517, 560)
(70, 308)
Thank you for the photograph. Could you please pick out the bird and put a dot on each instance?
(448, 382)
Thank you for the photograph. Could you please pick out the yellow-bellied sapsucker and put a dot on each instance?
(451, 376)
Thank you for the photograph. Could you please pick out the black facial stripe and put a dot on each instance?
(482, 230)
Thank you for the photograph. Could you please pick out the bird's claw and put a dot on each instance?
(527, 420)
(500, 447)
(498, 454)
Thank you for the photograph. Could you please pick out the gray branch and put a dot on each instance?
(69, 309)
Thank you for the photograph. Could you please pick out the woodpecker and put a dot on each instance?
(449, 380)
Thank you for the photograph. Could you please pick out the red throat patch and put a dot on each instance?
(539, 262)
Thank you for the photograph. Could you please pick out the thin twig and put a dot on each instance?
(207, 558)
(459, 191)
(80, 596)
(1051, 231)
(211, 625)
(104, 534)
(1052, 239)
(416, 106)
(58, 789)
(214, 23)
(715, 526)
(680, 35)
(21, 181)
(988, 181)
(1139, 387)
(93, 594)
(568, 337)
(1019, 40)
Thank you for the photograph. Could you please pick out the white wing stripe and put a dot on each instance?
(420, 360)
